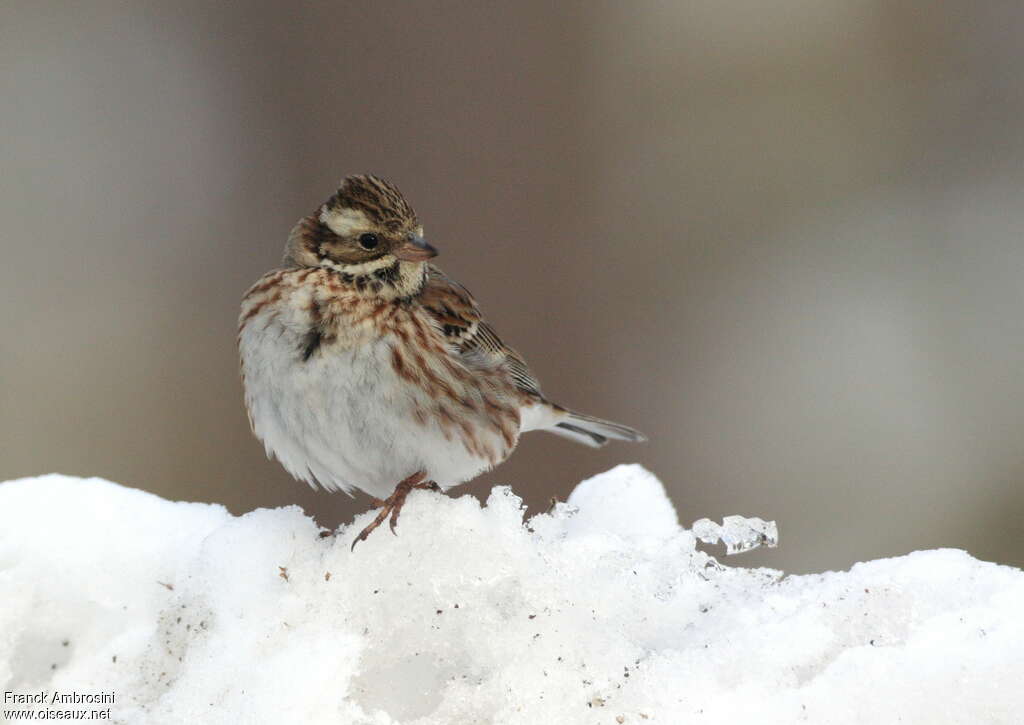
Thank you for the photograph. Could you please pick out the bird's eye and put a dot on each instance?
(368, 240)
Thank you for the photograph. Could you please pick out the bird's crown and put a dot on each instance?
(376, 201)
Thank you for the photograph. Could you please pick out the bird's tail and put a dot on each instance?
(591, 431)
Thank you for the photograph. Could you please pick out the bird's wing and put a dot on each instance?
(474, 341)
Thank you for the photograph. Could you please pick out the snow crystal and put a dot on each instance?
(601, 611)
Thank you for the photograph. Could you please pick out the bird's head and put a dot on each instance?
(366, 225)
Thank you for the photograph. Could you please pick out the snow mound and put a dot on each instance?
(601, 611)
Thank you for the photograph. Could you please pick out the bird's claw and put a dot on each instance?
(391, 507)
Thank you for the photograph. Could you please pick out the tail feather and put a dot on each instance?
(593, 432)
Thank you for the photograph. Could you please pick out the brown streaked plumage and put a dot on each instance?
(366, 367)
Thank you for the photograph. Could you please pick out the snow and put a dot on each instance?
(602, 611)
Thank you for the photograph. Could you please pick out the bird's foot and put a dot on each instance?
(392, 505)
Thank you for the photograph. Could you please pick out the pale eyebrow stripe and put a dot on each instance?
(344, 222)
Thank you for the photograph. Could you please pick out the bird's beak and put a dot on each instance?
(415, 249)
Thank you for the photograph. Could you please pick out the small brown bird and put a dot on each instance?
(365, 367)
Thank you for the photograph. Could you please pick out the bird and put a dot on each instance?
(364, 366)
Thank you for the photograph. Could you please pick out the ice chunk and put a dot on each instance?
(738, 533)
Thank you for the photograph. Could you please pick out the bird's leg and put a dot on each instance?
(392, 505)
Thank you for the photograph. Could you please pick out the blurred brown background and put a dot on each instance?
(783, 239)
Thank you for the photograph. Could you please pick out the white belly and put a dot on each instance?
(343, 419)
